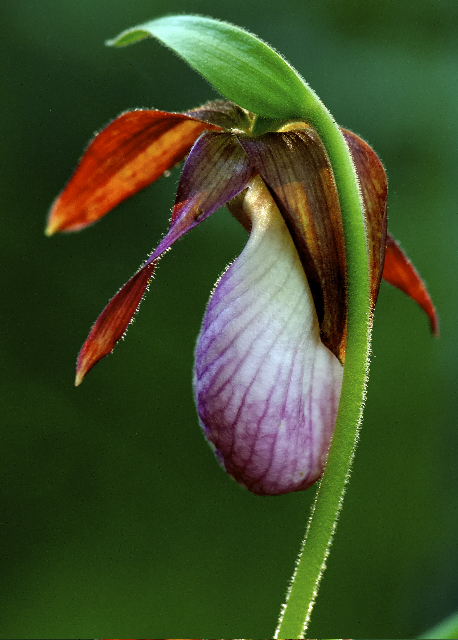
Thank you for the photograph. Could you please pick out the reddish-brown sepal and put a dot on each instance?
(129, 154)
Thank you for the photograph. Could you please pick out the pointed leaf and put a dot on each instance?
(129, 154)
(401, 273)
(238, 64)
(374, 190)
(295, 166)
(112, 323)
(215, 171)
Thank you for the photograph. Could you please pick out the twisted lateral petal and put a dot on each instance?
(129, 154)
(267, 390)
(112, 323)
(401, 273)
(216, 170)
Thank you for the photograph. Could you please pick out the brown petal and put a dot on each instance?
(129, 154)
(374, 191)
(113, 322)
(401, 273)
(295, 167)
(215, 171)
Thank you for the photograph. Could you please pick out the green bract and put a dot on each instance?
(239, 65)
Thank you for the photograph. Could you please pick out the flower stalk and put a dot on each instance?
(296, 612)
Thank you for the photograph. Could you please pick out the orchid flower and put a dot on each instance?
(270, 355)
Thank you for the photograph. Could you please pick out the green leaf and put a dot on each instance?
(239, 65)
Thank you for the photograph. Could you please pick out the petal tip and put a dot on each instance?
(434, 322)
(58, 220)
(52, 223)
(51, 228)
(400, 272)
(112, 323)
(80, 374)
(89, 355)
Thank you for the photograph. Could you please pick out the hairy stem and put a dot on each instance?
(295, 615)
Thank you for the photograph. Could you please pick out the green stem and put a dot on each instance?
(311, 562)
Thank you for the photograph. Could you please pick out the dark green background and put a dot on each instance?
(116, 519)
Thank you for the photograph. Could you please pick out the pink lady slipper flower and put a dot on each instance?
(270, 355)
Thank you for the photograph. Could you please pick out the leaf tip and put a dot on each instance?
(127, 37)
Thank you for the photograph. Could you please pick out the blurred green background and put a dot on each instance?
(116, 519)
